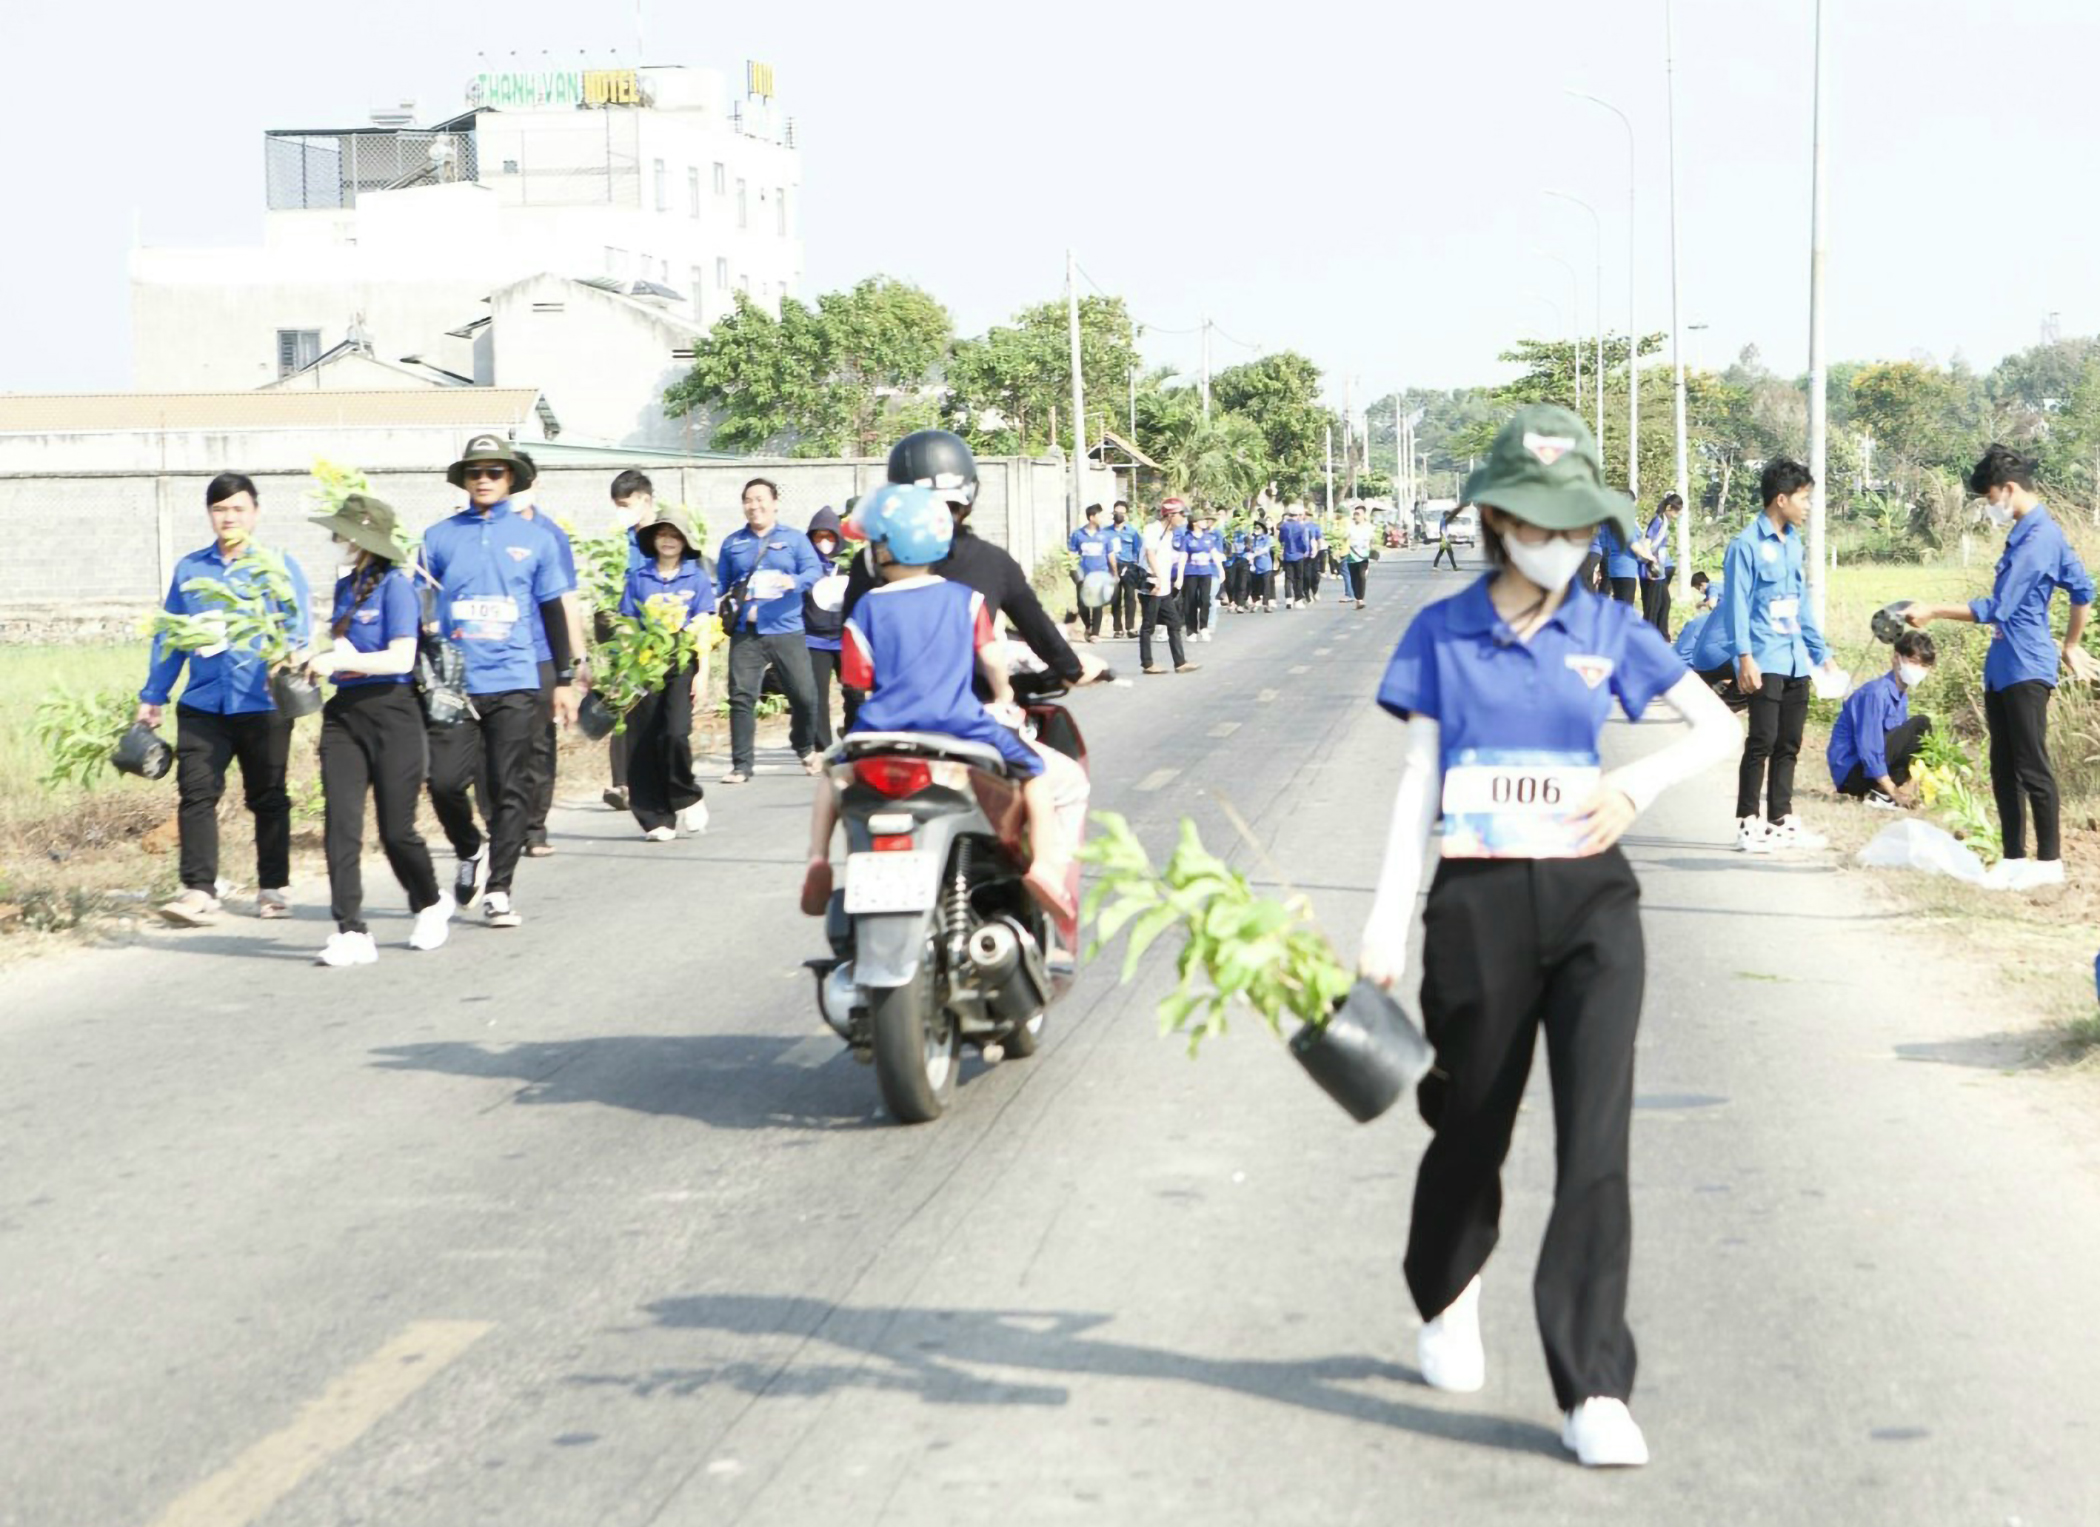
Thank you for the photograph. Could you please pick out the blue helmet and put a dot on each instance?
(913, 522)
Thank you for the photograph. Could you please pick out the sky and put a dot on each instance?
(1362, 184)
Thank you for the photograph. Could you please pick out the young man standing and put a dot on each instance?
(766, 568)
(1161, 606)
(1876, 736)
(226, 714)
(2020, 671)
(1126, 550)
(502, 584)
(1089, 543)
(1774, 641)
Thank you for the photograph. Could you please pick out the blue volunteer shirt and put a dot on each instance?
(565, 558)
(232, 681)
(783, 550)
(1764, 608)
(494, 570)
(1236, 549)
(1295, 538)
(1689, 639)
(2037, 561)
(1204, 553)
(1261, 552)
(1619, 560)
(1660, 542)
(1127, 542)
(1090, 545)
(690, 585)
(1861, 735)
(912, 645)
(389, 611)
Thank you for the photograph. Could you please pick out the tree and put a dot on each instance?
(842, 378)
(1280, 395)
(1911, 410)
(1220, 460)
(1005, 388)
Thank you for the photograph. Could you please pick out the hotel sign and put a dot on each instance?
(546, 89)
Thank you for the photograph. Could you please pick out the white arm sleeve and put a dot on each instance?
(1713, 737)
(1415, 806)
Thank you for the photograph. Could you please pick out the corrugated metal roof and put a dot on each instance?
(447, 407)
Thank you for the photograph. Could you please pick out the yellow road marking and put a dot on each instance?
(343, 1412)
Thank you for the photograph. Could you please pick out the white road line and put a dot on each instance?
(1323, 651)
(1266, 696)
(343, 1412)
(1224, 729)
(1159, 779)
(1300, 668)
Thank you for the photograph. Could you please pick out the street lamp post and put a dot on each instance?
(1633, 327)
(1818, 362)
(1575, 307)
(1597, 228)
(1684, 478)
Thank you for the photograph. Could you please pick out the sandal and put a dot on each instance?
(736, 777)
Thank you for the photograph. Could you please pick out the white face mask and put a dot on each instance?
(2001, 513)
(1549, 566)
(1912, 674)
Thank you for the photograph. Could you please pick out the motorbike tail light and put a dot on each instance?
(892, 843)
(894, 777)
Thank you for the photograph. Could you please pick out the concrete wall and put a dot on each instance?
(86, 551)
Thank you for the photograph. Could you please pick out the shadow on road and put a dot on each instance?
(930, 1353)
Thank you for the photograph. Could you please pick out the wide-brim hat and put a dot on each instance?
(366, 523)
(1543, 469)
(492, 448)
(672, 516)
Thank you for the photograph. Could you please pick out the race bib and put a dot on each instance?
(484, 620)
(830, 592)
(1786, 616)
(216, 619)
(768, 584)
(1515, 803)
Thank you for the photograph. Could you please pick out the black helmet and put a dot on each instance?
(142, 751)
(936, 459)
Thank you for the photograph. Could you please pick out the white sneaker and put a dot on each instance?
(662, 835)
(346, 949)
(1203, 635)
(694, 818)
(1602, 1434)
(1448, 1351)
(433, 924)
(1753, 835)
(497, 912)
(2032, 874)
(1790, 832)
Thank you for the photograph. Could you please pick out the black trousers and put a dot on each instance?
(546, 745)
(750, 655)
(1123, 609)
(1261, 587)
(1235, 585)
(2017, 718)
(1294, 578)
(660, 781)
(1354, 576)
(1089, 615)
(373, 739)
(616, 759)
(1778, 716)
(206, 743)
(1160, 610)
(1901, 745)
(823, 673)
(1511, 947)
(1444, 549)
(1195, 601)
(1655, 604)
(1626, 590)
(496, 751)
(1314, 565)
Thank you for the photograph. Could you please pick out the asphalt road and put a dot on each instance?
(593, 1222)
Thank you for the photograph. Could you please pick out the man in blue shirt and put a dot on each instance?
(1876, 736)
(1295, 544)
(1770, 633)
(1089, 543)
(546, 747)
(2020, 670)
(226, 714)
(765, 569)
(501, 581)
(1126, 550)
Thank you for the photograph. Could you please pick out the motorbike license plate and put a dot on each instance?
(894, 882)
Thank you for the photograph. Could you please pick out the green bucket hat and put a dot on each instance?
(1543, 469)
(365, 522)
(492, 448)
(673, 516)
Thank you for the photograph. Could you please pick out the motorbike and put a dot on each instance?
(936, 942)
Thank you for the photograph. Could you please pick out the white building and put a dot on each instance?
(399, 239)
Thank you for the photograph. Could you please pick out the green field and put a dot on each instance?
(27, 675)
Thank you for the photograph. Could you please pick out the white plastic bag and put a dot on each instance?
(1916, 845)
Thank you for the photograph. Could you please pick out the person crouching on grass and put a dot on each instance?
(1876, 736)
(914, 645)
(661, 790)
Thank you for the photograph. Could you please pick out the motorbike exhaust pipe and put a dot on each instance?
(995, 949)
(1007, 965)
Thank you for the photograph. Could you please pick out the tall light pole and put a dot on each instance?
(1596, 227)
(1633, 327)
(1575, 307)
(1684, 476)
(1818, 362)
(1078, 389)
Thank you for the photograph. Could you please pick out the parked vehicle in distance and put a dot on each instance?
(1463, 526)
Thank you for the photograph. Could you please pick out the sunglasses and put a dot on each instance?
(474, 473)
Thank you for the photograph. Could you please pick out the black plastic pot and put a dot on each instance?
(292, 695)
(1888, 621)
(142, 751)
(1367, 1054)
(594, 718)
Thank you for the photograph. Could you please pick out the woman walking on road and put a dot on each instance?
(372, 736)
(1261, 568)
(1532, 919)
(661, 789)
(1356, 556)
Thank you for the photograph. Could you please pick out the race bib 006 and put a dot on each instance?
(1515, 803)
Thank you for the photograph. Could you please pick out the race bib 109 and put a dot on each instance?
(484, 620)
(1514, 803)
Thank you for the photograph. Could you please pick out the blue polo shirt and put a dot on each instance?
(389, 611)
(495, 570)
(1764, 609)
(1127, 542)
(1090, 545)
(233, 681)
(1259, 552)
(1236, 549)
(1661, 543)
(1860, 737)
(690, 584)
(783, 549)
(1204, 553)
(2037, 561)
(1295, 538)
(565, 557)
(1619, 560)
(1690, 637)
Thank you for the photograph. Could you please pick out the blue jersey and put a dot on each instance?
(388, 612)
(1128, 544)
(2037, 561)
(1236, 549)
(1619, 560)
(1295, 537)
(1861, 734)
(226, 681)
(1205, 553)
(912, 647)
(784, 551)
(565, 559)
(1662, 544)
(1764, 608)
(1261, 552)
(690, 585)
(1089, 543)
(494, 571)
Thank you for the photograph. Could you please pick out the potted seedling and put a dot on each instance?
(253, 606)
(1350, 1035)
(642, 652)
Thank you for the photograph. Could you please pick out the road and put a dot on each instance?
(592, 1222)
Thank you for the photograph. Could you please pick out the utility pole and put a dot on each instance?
(1330, 467)
(1597, 228)
(1206, 371)
(1078, 391)
(1818, 362)
(1684, 478)
(1633, 326)
(1348, 438)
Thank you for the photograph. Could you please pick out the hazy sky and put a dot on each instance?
(1361, 183)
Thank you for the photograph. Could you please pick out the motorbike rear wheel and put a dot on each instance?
(917, 1044)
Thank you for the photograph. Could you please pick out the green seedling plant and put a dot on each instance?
(1236, 945)
(253, 606)
(78, 733)
(645, 650)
